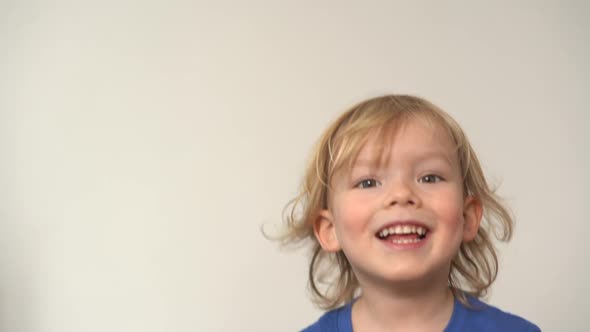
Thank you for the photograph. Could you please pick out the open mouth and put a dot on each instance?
(403, 234)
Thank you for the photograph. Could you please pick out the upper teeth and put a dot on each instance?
(402, 229)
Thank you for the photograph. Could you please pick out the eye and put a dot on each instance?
(368, 183)
(430, 178)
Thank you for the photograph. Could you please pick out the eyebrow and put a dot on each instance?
(438, 155)
(364, 162)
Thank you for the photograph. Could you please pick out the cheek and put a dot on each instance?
(352, 217)
(348, 220)
(450, 210)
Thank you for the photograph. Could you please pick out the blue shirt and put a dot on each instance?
(482, 318)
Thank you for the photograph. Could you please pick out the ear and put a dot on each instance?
(472, 213)
(325, 233)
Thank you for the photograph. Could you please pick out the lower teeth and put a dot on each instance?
(405, 241)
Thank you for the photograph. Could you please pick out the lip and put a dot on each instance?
(404, 246)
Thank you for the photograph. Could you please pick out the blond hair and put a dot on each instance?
(331, 279)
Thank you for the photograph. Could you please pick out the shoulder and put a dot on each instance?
(337, 320)
(484, 317)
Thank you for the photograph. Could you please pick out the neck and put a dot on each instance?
(411, 306)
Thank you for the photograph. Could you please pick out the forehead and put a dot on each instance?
(414, 137)
(371, 135)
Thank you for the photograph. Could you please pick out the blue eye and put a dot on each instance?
(367, 183)
(430, 178)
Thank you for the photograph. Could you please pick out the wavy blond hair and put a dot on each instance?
(331, 279)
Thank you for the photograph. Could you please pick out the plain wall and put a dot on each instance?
(143, 144)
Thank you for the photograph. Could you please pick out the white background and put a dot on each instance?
(143, 145)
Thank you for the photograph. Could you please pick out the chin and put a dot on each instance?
(410, 277)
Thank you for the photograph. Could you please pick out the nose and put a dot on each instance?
(402, 193)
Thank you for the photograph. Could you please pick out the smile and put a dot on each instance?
(403, 233)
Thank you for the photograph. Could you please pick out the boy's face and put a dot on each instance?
(404, 220)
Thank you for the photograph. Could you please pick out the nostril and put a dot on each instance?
(403, 202)
(401, 196)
